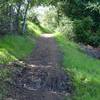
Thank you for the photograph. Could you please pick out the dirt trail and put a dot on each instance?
(45, 52)
(41, 78)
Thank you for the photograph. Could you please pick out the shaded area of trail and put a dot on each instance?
(41, 78)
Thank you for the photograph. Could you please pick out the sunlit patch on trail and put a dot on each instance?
(46, 35)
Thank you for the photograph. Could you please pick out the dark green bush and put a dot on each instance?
(87, 23)
(83, 32)
(82, 29)
(94, 40)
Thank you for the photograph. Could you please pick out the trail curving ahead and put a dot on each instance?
(42, 77)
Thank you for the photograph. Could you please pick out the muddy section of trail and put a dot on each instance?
(41, 78)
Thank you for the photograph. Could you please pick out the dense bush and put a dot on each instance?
(94, 40)
(65, 27)
(82, 29)
(83, 32)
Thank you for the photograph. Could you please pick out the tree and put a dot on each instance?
(25, 16)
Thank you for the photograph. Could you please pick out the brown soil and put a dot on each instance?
(41, 78)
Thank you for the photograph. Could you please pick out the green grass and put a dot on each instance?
(35, 29)
(86, 70)
(13, 47)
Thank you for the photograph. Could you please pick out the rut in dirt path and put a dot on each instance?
(42, 77)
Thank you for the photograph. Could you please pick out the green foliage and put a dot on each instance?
(49, 18)
(93, 9)
(83, 32)
(14, 48)
(85, 74)
(95, 6)
(82, 29)
(94, 40)
(35, 29)
(87, 23)
(65, 27)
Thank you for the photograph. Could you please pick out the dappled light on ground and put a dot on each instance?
(45, 35)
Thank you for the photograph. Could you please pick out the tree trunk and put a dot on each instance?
(24, 20)
(17, 17)
(11, 19)
(58, 16)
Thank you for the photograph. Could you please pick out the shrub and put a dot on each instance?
(94, 40)
(83, 32)
(82, 29)
(66, 27)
